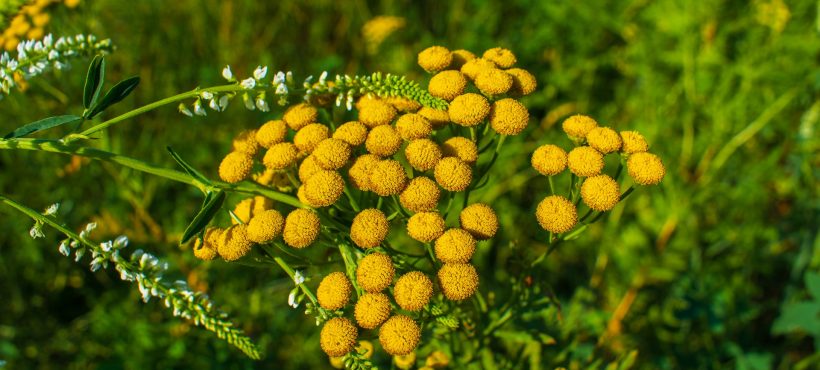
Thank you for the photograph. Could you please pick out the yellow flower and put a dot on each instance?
(301, 228)
(422, 154)
(460, 57)
(437, 118)
(353, 133)
(437, 360)
(331, 154)
(405, 362)
(265, 226)
(383, 141)
(375, 272)
(634, 142)
(453, 174)
(524, 82)
(403, 104)
(41, 19)
(479, 220)
(503, 58)
(235, 243)
(585, 161)
(420, 195)
(425, 226)
(413, 291)
(235, 167)
(369, 228)
(460, 147)
(473, 67)
(556, 214)
(300, 115)
(308, 168)
(435, 58)
(280, 156)
(413, 126)
(272, 132)
(549, 160)
(300, 194)
(205, 248)
(578, 126)
(388, 178)
(455, 246)
(324, 188)
(247, 208)
(604, 139)
(245, 142)
(493, 81)
(372, 310)
(334, 291)
(337, 362)
(600, 193)
(365, 348)
(376, 112)
(458, 281)
(645, 168)
(379, 28)
(360, 170)
(309, 136)
(469, 109)
(338, 336)
(509, 117)
(447, 85)
(399, 335)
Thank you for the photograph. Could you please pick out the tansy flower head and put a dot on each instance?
(246, 142)
(406, 362)
(235, 243)
(369, 228)
(549, 160)
(353, 133)
(399, 335)
(422, 154)
(524, 82)
(460, 57)
(556, 214)
(265, 226)
(338, 336)
(360, 170)
(585, 161)
(403, 104)
(383, 141)
(375, 272)
(309, 136)
(473, 67)
(376, 113)
(248, 208)
(503, 58)
(425, 226)
(469, 109)
(280, 156)
(420, 195)
(493, 81)
(235, 167)
(413, 291)
(578, 126)
(365, 348)
(301, 228)
(413, 126)
(479, 220)
(645, 168)
(308, 168)
(604, 139)
(633, 142)
(453, 174)
(600, 193)
(205, 248)
(458, 281)
(272, 132)
(437, 118)
(334, 291)
(455, 246)
(447, 85)
(460, 147)
(331, 154)
(324, 188)
(388, 178)
(509, 117)
(372, 310)
(300, 194)
(437, 360)
(300, 115)
(435, 58)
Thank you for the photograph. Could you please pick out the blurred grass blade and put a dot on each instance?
(94, 81)
(188, 168)
(117, 93)
(42, 124)
(213, 201)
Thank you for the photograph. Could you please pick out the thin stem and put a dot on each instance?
(292, 273)
(353, 203)
(552, 185)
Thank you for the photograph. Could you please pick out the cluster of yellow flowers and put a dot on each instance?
(599, 192)
(30, 23)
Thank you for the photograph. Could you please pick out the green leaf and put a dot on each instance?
(213, 202)
(42, 124)
(94, 81)
(117, 93)
(188, 168)
(813, 284)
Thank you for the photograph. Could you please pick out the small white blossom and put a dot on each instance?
(223, 102)
(322, 78)
(36, 231)
(52, 209)
(260, 72)
(207, 95)
(261, 104)
(292, 299)
(282, 89)
(214, 104)
(227, 74)
(249, 104)
(64, 250)
(198, 109)
(298, 278)
(248, 83)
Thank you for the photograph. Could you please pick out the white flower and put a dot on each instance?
(261, 104)
(52, 209)
(248, 83)
(198, 109)
(322, 78)
(279, 78)
(90, 227)
(223, 102)
(292, 299)
(282, 89)
(207, 95)
(64, 248)
(184, 110)
(249, 104)
(298, 278)
(289, 77)
(36, 231)
(227, 74)
(260, 72)
(214, 104)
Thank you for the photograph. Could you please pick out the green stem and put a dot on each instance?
(353, 203)
(552, 185)
(292, 273)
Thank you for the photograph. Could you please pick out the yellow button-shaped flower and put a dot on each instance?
(479, 220)
(280, 156)
(383, 141)
(473, 67)
(549, 160)
(360, 171)
(509, 117)
(460, 57)
(600, 193)
(556, 214)
(375, 272)
(413, 291)
(332, 154)
(503, 58)
(300, 115)
(468, 109)
(246, 142)
(354, 133)
(447, 85)
(309, 136)
(388, 178)
(235, 167)
(324, 188)
(524, 82)
(460, 147)
(399, 335)
(645, 168)
(376, 112)
(458, 281)
(578, 126)
(604, 139)
(235, 243)
(265, 226)
(455, 246)
(372, 310)
(413, 126)
(435, 58)
(425, 226)
(338, 336)
(493, 82)
(453, 174)
(420, 195)
(437, 118)
(633, 142)
(422, 154)
(334, 291)
(301, 228)
(585, 161)
(272, 132)
(369, 228)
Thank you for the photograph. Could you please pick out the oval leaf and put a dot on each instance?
(209, 209)
(94, 81)
(115, 95)
(42, 124)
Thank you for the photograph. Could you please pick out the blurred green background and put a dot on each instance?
(715, 268)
